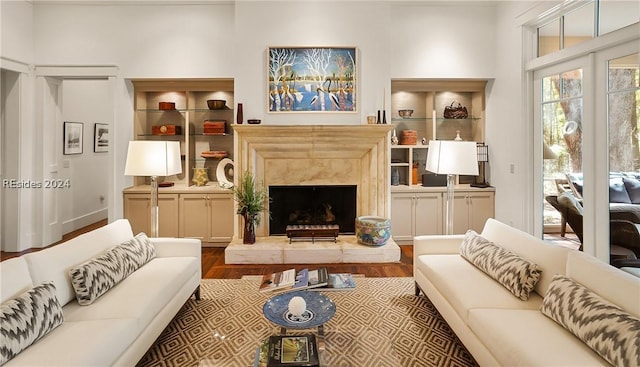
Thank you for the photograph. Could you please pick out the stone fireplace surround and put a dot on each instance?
(316, 155)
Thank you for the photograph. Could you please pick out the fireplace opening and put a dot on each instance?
(312, 205)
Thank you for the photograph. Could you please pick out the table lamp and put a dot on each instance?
(153, 159)
(452, 158)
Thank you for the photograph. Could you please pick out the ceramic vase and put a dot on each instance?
(240, 114)
(200, 176)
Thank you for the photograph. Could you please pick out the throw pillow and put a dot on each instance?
(618, 191)
(27, 318)
(633, 189)
(603, 326)
(95, 277)
(516, 274)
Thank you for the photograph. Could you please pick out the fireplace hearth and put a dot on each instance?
(316, 205)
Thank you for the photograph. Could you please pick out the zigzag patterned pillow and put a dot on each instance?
(95, 277)
(27, 318)
(606, 328)
(516, 274)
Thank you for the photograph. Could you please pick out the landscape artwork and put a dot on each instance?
(311, 79)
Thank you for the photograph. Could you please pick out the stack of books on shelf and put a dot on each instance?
(317, 279)
(288, 350)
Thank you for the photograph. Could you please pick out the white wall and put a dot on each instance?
(89, 102)
(394, 40)
(437, 41)
(9, 166)
(364, 25)
(148, 41)
(16, 36)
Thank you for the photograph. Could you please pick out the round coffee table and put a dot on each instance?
(320, 309)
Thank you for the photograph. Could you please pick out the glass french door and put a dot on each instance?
(558, 144)
(622, 88)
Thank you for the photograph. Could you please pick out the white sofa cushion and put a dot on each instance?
(27, 318)
(15, 278)
(516, 274)
(466, 287)
(95, 277)
(551, 258)
(141, 295)
(603, 326)
(53, 264)
(612, 284)
(528, 338)
(88, 343)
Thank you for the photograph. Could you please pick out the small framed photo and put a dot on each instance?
(101, 138)
(73, 137)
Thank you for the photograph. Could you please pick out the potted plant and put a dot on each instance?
(252, 199)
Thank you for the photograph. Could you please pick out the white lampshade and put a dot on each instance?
(153, 158)
(452, 157)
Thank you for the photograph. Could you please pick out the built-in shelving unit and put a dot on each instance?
(416, 209)
(186, 210)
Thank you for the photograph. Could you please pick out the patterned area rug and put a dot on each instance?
(379, 324)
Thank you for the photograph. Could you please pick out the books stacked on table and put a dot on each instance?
(317, 279)
(288, 350)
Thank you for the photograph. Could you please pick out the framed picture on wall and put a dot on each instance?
(100, 138)
(73, 133)
(311, 79)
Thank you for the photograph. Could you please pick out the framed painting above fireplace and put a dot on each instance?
(311, 79)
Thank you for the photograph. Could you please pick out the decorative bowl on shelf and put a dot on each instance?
(405, 113)
(253, 121)
(372, 230)
(216, 104)
(216, 154)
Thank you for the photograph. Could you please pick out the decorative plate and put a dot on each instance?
(320, 309)
(224, 173)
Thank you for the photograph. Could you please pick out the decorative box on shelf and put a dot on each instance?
(214, 127)
(166, 130)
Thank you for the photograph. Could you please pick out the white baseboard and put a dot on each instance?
(85, 220)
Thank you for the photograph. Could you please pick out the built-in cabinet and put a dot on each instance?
(471, 210)
(417, 209)
(137, 209)
(206, 217)
(413, 214)
(416, 212)
(203, 213)
(176, 110)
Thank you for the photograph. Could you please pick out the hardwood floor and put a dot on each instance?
(213, 266)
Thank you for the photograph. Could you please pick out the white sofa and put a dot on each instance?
(118, 327)
(499, 329)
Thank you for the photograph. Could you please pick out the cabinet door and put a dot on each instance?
(222, 216)
(460, 212)
(194, 221)
(427, 214)
(137, 210)
(402, 216)
(482, 207)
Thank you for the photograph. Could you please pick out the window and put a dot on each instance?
(581, 21)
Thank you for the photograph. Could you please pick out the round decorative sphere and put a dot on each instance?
(372, 230)
(297, 306)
